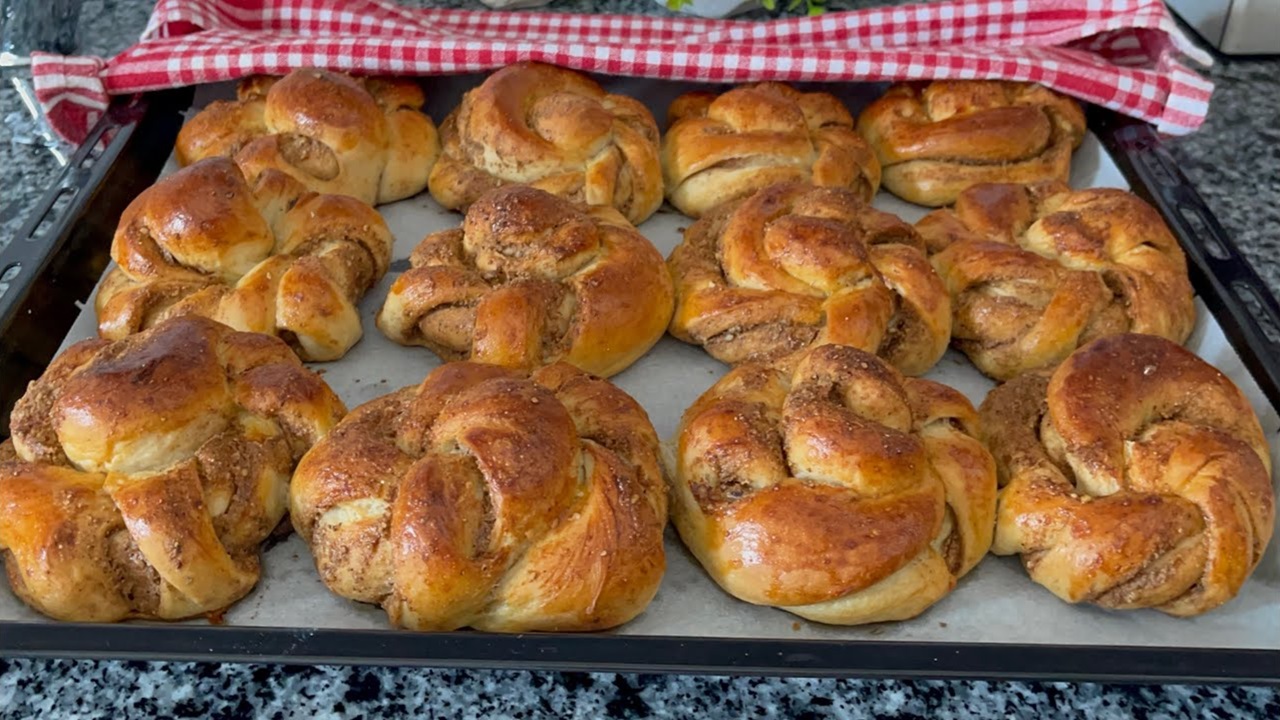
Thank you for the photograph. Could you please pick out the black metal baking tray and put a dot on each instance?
(62, 251)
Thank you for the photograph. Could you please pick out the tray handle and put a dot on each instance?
(54, 261)
(1226, 281)
(20, 260)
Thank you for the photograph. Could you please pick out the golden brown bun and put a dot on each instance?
(934, 140)
(554, 129)
(363, 137)
(833, 487)
(1135, 475)
(530, 279)
(144, 474)
(721, 148)
(794, 265)
(488, 498)
(1036, 271)
(272, 258)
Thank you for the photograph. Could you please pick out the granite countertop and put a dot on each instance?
(1234, 161)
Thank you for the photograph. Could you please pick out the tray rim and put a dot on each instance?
(142, 123)
(606, 652)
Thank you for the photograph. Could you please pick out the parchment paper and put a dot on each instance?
(995, 603)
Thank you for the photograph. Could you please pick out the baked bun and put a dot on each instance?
(488, 498)
(270, 258)
(554, 129)
(794, 265)
(1135, 475)
(530, 279)
(144, 474)
(832, 487)
(1036, 271)
(936, 139)
(720, 148)
(363, 137)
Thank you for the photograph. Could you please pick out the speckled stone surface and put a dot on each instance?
(26, 170)
(1235, 162)
(1234, 159)
(144, 690)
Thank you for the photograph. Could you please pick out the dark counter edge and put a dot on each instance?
(138, 134)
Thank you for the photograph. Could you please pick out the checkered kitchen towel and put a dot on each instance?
(1123, 54)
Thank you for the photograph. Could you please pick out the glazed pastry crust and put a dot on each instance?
(793, 266)
(833, 487)
(490, 498)
(144, 474)
(363, 137)
(1133, 476)
(934, 140)
(266, 257)
(554, 129)
(1036, 271)
(724, 147)
(531, 279)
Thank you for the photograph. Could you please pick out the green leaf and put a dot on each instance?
(811, 7)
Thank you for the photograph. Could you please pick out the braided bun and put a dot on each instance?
(793, 266)
(144, 474)
(721, 148)
(934, 140)
(530, 279)
(489, 498)
(270, 258)
(1135, 475)
(833, 487)
(553, 129)
(363, 137)
(1036, 271)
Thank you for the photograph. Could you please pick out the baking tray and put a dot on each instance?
(997, 623)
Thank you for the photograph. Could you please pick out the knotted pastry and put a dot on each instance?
(553, 129)
(144, 474)
(1135, 475)
(530, 279)
(935, 140)
(794, 265)
(721, 148)
(1036, 271)
(488, 498)
(363, 137)
(270, 258)
(833, 487)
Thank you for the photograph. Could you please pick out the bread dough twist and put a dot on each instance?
(530, 279)
(721, 148)
(1135, 475)
(793, 266)
(488, 498)
(270, 258)
(144, 474)
(1036, 271)
(934, 140)
(553, 129)
(363, 137)
(833, 487)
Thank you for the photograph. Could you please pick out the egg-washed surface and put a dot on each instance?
(993, 603)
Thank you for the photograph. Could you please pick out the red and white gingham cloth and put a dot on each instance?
(1122, 54)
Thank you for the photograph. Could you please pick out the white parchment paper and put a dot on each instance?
(995, 603)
